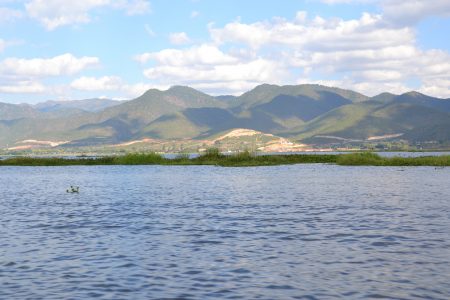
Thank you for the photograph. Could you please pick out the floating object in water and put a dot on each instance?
(73, 189)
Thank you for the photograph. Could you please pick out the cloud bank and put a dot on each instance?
(372, 53)
(56, 13)
(368, 54)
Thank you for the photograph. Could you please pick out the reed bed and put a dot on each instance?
(242, 159)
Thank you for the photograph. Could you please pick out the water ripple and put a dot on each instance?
(289, 232)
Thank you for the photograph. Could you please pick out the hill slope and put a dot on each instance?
(310, 113)
(111, 125)
(12, 111)
(362, 121)
(267, 92)
(90, 105)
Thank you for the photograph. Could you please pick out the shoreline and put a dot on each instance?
(243, 159)
(257, 153)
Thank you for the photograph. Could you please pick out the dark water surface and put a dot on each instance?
(202, 232)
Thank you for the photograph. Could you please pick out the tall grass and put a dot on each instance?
(55, 161)
(180, 159)
(248, 159)
(357, 159)
(139, 159)
(242, 159)
(372, 159)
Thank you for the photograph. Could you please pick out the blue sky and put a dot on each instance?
(56, 49)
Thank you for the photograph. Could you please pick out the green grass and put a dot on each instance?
(139, 159)
(246, 159)
(243, 159)
(55, 161)
(372, 159)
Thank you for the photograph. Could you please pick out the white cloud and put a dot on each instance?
(66, 64)
(336, 1)
(149, 31)
(55, 13)
(198, 55)
(112, 84)
(381, 75)
(5, 44)
(400, 12)
(133, 7)
(19, 75)
(259, 70)
(137, 89)
(390, 63)
(437, 87)
(368, 52)
(194, 14)
(375, 88)
(179, 38)
(105, 83)
(316, 34)
(8, 14)
(371, 54)
(368, 88)
(208, 68)
(23, 87)
(347, 1)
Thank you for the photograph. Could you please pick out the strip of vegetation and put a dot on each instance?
(247, 159)
(243, 159)
(372, 159)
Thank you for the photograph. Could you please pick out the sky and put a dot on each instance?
(66, 50)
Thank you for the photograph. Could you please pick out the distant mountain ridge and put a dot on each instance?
(91, 105)
(11, 111)
(305, 113)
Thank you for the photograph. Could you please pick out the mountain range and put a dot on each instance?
(311, 114)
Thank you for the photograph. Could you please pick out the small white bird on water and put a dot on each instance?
(73, 189)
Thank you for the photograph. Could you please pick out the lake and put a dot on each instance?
(202, 232)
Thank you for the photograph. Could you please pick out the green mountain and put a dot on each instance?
(111, 125)
(372, 119)
(12, 112)
(226, 98)
(126, 121)
(384, 97)
(318, 111)
(266, 93)
(89, 105)
(305, 113)
(424, 100)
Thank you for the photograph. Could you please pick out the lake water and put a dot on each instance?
(202, 232)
